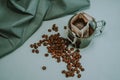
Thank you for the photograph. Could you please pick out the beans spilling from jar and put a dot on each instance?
(58, 48)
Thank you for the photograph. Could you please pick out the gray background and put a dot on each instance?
(100, 59)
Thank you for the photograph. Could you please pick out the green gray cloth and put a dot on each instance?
(19, 19)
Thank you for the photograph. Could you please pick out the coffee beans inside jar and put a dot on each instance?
(59, 48)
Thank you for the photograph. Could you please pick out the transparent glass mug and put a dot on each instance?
(82, 42)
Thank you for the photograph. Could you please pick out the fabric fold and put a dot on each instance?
(19, 19)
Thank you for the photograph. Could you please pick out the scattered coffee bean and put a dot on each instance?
(72, 49)
(55, 28)
(38, 44)
(43, 67)
(78, 71)
(82, 69)
(44, 44)
(58, 47)
(79, 75)
(65, 27)
(37, 51)
(63, 71)
(31, 45)
(43, 36)
(46, 55)
(49, 30)
(35, 46)
(58, 60)
(33, 50)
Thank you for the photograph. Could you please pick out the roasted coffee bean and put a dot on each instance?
(49, 30)
(82, 69)
(44, 36)
(79, 75)
(77, 71)
(55, 28)
(58, 47)
(38, 44)
(69, 67)
(54, 25)
(75, 68)
(35, 46)
(58, 60)
(65, 27)
(33, 50)
(43, 67)
(45, 44)
(37, 51)
(40, 41)
(72, 49)
(72, 75)
(63, 72)
(31, 45)
(72, 70)
(46, 55)
(67, 74)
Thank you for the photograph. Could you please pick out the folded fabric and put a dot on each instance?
(19, 19)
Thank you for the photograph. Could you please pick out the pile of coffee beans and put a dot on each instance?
(59, 48)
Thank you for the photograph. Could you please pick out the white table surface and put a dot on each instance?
(101, 59)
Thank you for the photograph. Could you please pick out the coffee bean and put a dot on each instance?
(82, 69)
(37, 51)
(31, 45)
(49, 30)
(65, 27)
(38, 44)
(46, 55)
(58, 60)
(79, 75)
(33, 50)
(77, 71)
(72, 49)
(45, 44)
(35, 46)
(63, 72)
(58, 47)
(55, 28)
(43, 67)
